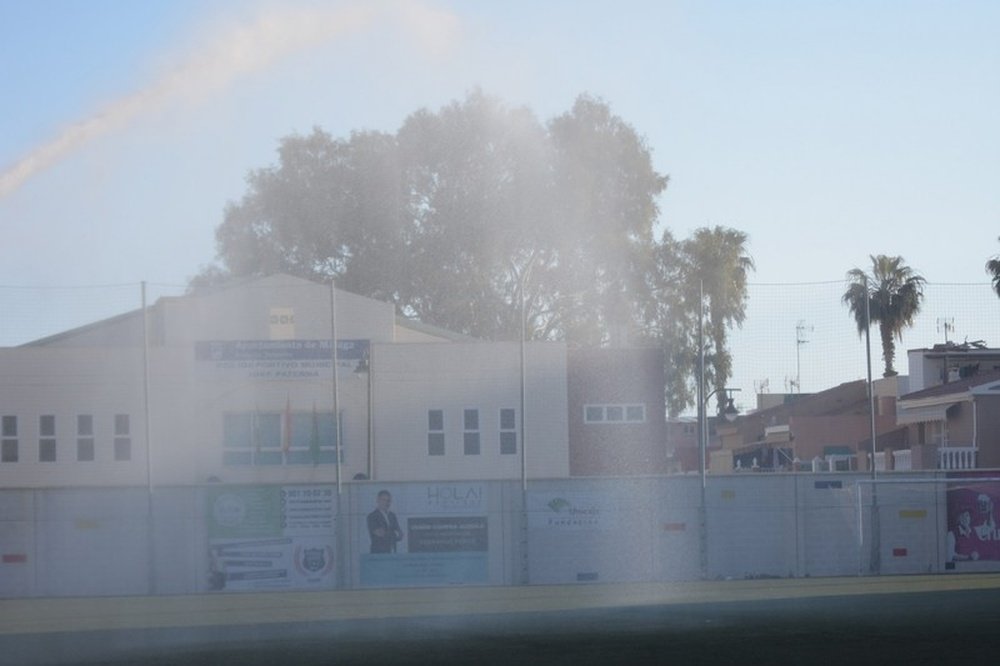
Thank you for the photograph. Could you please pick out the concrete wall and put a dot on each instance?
(988, 430)
(616, 376)
(88, 541)
(410, 380)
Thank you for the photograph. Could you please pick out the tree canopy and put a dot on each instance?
(704, 296)
(467, 214)
(459, 213)
(893, 293)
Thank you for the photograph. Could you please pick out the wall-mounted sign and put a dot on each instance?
(280, 359)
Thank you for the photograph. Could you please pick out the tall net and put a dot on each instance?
(36, 312)
(802, 338)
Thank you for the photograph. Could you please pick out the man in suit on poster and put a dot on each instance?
(383, 527)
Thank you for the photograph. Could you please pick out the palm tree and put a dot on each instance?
(718, 263)
(893, 292)
(993, 268)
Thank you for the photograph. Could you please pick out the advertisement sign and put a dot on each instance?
(570, 511)
(599, 534)
(279, 359)
(425, 534)
(268, 537)
(972, 534)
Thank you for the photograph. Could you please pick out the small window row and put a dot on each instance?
(87, 447)
(613, 414)
(471, 432)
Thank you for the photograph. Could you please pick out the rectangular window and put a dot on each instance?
(508, 432)
(123, 439)
(85, 449)
(471, 419)
(85, 437)
(614, 414)
(8, 450)
(435, 432)
(470, 438)
(8, 443)
(279, 438)
(46, 450)
(47, 438)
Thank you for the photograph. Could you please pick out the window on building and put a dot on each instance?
(435, 432)
(614, 414)
(85, 437)
(123, 437)
(8, 439)
(508, 431)
(47, 438)
(470, 438)
(279, 438)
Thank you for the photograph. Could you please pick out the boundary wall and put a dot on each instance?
(64, 542)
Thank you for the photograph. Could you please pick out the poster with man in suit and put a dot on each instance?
(383, 526)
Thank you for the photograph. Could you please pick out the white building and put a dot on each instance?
(238, 385)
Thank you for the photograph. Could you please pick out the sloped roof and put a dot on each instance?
(959, 388)
(841, 399)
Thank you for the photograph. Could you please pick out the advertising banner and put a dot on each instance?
(972, 534)
(269, 537)
(279, 359)
(598, 534)
(425, 534)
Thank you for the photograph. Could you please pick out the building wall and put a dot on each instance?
(411, 380)
(988, 430)
(616, 377)
(961, 424)
(813, 433)
(66, 384)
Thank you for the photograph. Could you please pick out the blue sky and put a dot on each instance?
(827, 131)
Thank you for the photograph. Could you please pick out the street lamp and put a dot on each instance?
(729, 413)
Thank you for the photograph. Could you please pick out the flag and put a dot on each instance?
(314, 437)
(287, 443)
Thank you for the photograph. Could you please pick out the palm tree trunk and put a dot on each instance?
(888, 349)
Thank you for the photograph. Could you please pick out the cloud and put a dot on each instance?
(232, 52)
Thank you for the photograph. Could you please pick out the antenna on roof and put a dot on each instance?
(948, 324)
(800, 330)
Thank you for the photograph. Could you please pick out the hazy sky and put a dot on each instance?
(827, 131)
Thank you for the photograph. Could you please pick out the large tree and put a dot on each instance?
(704, 290)
(891, 295)
(461, 215)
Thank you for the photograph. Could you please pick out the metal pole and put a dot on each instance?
(871, 386)
(336, 404)
(371, 411)
(151, 545)
(702, 434)
(702, 429)
(875, 559)
(145, 390)
(524, 453)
